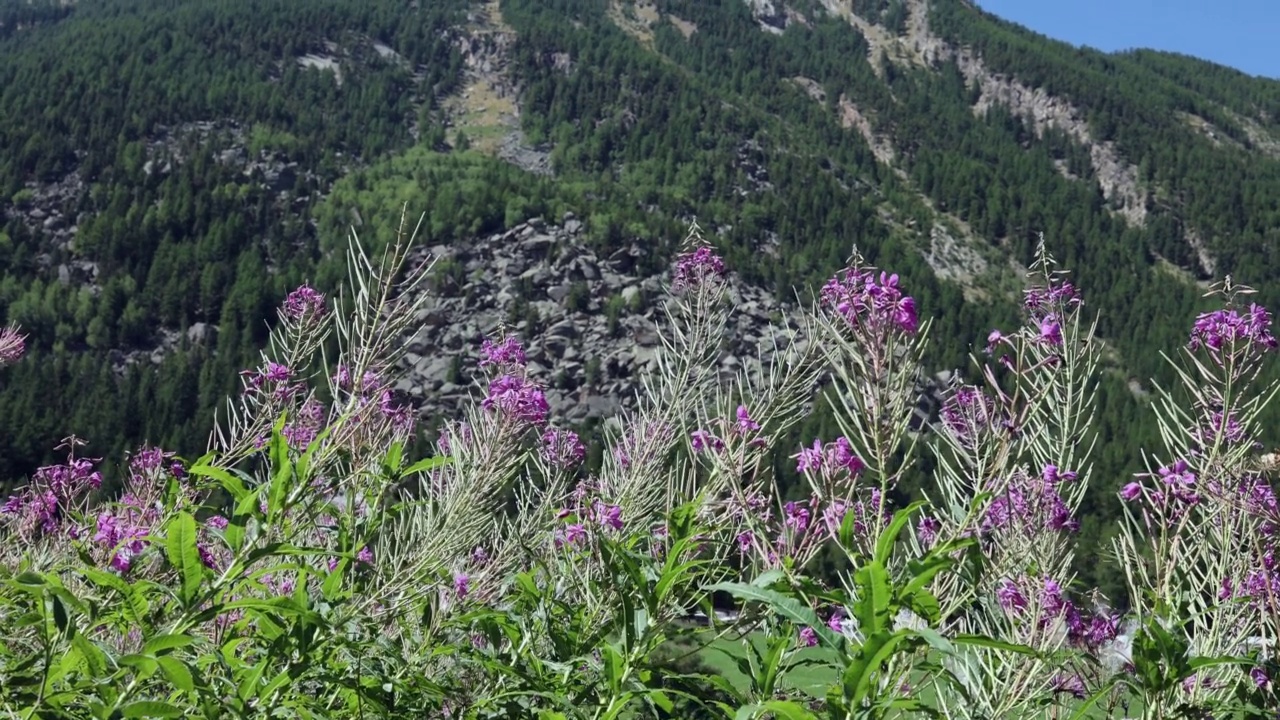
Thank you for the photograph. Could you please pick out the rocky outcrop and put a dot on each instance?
(771, 14)
(590, 324)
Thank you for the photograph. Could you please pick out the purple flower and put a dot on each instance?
(808, 637)
(273, 379)
(562, 449)
(217, 522)
(342, 377)
(836, 621)
(12, 345)
(746, 425)
(1131, 491)
(840, 457)
(517, 399)
(1260, 678)
(995, 337)
(1051, 330)
(696, 269)
(1070, 684)
(928, 530)
(1100, 630)
(829, 460)
(809, 459)
(74, 477)
(304, 303)
(206, 556)
(704, 441)
(1010, 597)
(609, 515)
(796, 516)
(365, 556)
(745, 541)
(573, 534)
(1226, 590)
(1040, 299)
(862, 300)
(968, 413)
(1224, 328)
(13, 505)
(1177, 474)
(1052, 475)
(121, 531)
(507, 354)
(461, 585)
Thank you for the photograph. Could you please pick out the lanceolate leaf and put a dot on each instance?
(885, 543)
(787, 607)
(180, 546)
(427, 464)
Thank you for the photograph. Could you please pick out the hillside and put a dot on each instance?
(198, 159)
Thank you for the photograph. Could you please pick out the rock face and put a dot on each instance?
(589, 324)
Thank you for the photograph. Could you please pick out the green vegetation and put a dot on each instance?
(644, 134)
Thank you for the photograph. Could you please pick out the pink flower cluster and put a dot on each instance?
(518, 399)
(507, 354)
(1086, 631)
(832, 461)
(304, 304)
(586, 509)
(744, 427)
(273, 380)
(969, 415)
(123, 528)
(39, 508)
(864, 300)
(1224, 329)
(696, 269)
(12, 345)
(562, 449)
(1031, 504)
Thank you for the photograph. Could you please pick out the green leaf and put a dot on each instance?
(788, 607)
(283, 472)
(150, 709)
(874, 601)
(992, 643)
(924, 604)
(163, 643)
(232, 484)
(177, 673)
(60, 619)
(180, 546)
(427, 464)
(392, 462)
(873, 654)
(768, 578)
(145, 666)
(889, 538)
(782, 708)
(95, 660)
(29, 578)
(1083, 711)
(135, 606)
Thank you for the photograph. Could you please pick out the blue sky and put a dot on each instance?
(1243, 34)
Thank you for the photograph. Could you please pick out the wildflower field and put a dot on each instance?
(305, 567)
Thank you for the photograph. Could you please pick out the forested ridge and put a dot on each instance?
(206, 171)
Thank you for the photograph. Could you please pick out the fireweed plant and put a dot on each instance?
(304, 567)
